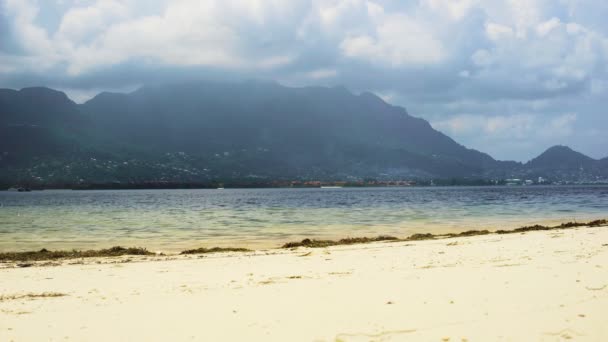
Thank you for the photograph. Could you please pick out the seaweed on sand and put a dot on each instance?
(45, 254)
(428, 236)
(417, 237)
(469, 233)
(214, 250)
(347, 241)
(26, 258)
(596, 223)
(31, 296)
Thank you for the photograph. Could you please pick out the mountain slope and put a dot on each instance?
(36, 122)
(561, 162)
(299, 128)
(560, 157)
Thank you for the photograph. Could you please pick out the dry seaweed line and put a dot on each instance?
(596, 288)
(31, 296)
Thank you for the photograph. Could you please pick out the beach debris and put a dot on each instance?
(31, 296)
(346, 241)
(214, 250)
(566, 334)
(380, 336)
(45, 254)
(427, 236)
(596, 223)
(469, 233)
(596, 288)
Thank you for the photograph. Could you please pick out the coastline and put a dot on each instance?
(45, 257)
(547, 284)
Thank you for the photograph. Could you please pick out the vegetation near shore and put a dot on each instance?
(45, 255)
(347, 241)
(596, 223)
(214, 250)
(429, 236)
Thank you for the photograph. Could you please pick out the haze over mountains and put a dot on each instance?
(204, 131)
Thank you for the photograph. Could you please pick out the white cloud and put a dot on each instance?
(498, 126)
(546, 27)
(482, 57)
(33, 38)
(399, 40)
(561, 126)
(455, 9)
(322, 73)
(496, 31)
(80, 22)
(188, 32)
(238, 34)
(464, 73)
(516, 126)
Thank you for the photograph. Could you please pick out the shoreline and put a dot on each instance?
(44, 257)
(447, 183)
(545, 284)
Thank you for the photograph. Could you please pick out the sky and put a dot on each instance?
(509, 78)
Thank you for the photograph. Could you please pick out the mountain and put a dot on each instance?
(37, 121)
(561, 162)
(201, 131)
(37, 106)
(560, 157)
(298, 129)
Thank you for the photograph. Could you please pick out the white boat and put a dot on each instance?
(331, 187)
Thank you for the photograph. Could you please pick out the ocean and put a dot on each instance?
(173, 220)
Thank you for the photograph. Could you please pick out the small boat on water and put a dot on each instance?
(331, 187)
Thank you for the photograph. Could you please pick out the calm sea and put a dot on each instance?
(172, 220)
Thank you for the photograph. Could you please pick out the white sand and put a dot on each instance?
(546, 286)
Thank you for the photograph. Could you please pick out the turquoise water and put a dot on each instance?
(171, 220)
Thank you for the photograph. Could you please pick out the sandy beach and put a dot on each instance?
(534, 286)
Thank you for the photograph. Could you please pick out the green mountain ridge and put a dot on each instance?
(202, 131)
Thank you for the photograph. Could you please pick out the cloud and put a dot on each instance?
(507, 68)
(399, 40)
(498, 126)
(506, 136)
(454, 9)
(322, 73)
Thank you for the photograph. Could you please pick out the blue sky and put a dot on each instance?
(510, 78)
